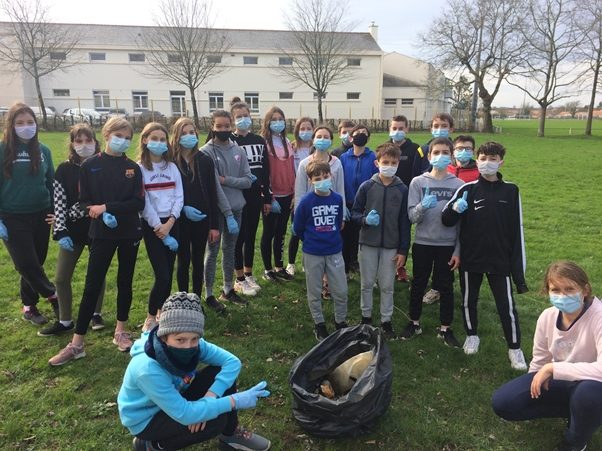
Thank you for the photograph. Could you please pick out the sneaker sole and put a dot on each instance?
(248, 293)
(120, 348)
(40, 334)
(415, 334)
(98, 327)
(76, 357)
(225, 447)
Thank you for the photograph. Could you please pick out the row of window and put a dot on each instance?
(393, 102)
(173, 58)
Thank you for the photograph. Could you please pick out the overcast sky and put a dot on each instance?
(399, 22)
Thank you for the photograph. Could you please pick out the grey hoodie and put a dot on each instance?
(429, 228)
(232, 164)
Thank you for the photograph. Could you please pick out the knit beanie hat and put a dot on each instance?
(181, 312)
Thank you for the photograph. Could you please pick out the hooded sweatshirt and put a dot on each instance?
(303, 184)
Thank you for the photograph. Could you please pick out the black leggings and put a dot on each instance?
(28, 246)
(244, 251)
(162, 260)
(101, 254)
(274, 230)
(172, 435)
(192, 244)
(293, 244)
(351, 237)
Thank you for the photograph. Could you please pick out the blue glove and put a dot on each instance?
(276, 207)
(253, 178)
(3, 231)
(109, 220)
(461, 205)
(193, 214)
(346, 214)
(373, 219)
(66, 243)
(248, 399)
(171, 243)
(429, 200)
(232, 225)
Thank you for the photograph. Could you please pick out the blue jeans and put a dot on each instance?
(579, 401)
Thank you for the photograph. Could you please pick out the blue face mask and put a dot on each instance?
(188, 141)
(345, 139)
(157, 148)
(305, 135)
(440, 161)
(277, 126)
(119, 145)
(440, 132)
(323, 186)
(26, 131)
(322, 144)
(397, 135)
(463, 156)
(244, 123)
(567, 303)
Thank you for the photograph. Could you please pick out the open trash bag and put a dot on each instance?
(355, 412)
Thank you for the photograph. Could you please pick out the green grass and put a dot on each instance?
(441, 397)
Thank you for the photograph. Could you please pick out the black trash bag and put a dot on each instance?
(356, 412)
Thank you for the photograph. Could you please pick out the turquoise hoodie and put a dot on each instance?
(148, 388)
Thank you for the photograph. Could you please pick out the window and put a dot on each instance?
(101, 100)
(136, 57)
(174, 58)
(285, 61)
(96, 56)
(353, 96)
(214, 59)
(252, 99)
(390, 101)
(286, 96)
(407, 101)
(178, 103)
(61, 93)
(216, 101)
(140, 100)
(354, 61)
(249, 59)
(58, 56)
(316, 95)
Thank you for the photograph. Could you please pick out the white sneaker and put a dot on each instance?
(471, 344)
(431, 297)
(244, 288)
(290, 268)
(517, 359)
(252, 281)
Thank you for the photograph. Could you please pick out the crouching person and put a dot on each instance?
(167, 403)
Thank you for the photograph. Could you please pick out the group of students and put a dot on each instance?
(351, 207)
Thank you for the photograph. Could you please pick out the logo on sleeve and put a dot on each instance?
(129, 173)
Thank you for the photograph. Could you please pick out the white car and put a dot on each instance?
(38, 112)
(82, 115)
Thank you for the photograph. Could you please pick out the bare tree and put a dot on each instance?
(34, 44)
(185, 47)
(483, 39)
(548, 74)
(572, 107)
(318, 49)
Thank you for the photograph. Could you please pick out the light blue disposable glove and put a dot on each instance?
(276, 208)
(253, 178)
(373, 219)
(193, 214)
(461, 205)
(171, 243)
(429, 200)
(66, 243)
(248, 399)
(3, 231)
(232, 225)
(109, 220)
(346, 214)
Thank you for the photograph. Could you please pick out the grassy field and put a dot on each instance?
(441, 397)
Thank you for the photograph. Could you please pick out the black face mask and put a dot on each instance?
(222, 136)
(361, 139)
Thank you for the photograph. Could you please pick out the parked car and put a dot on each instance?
(115, 112)
(38, 112)
(82, 115)
(148, 116)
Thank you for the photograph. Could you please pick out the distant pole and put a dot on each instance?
(79, 106)
(152, 110)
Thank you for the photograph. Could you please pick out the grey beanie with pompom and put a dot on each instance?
(181, 312)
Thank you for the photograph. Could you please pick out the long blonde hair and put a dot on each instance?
(176, 147)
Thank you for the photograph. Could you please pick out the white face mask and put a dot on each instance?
(388, 171)
(488, 167)
(85, 150)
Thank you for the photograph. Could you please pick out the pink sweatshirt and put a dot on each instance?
(577, 352)
(282, 169)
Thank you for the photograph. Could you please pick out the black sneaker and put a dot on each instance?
(448, 338)
(340, 325)
(366, 320)
(233, 297)
(410, 330)
(97, 322)
(34, 316)
(566, 446)
(214, 304)
(320, 331)
(270, 276)
(282, 274)
(143, 445)
(56, 328)
(388, 331)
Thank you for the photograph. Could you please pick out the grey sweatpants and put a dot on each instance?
(334, 268)
(65, 267)
(377, 262)
(228, 242)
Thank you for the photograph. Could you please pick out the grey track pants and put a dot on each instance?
(228, 243)
(377, 263)
(334, 268)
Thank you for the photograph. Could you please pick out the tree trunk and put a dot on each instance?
(542, 120)
(41, 101)
(320, 115)
(590, 112)
(487, 120)
(195, 112)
